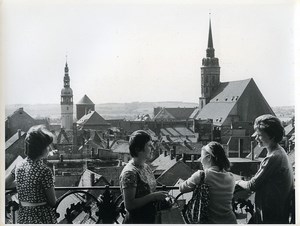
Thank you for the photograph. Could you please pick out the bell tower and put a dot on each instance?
(210, 72)
(66, 102)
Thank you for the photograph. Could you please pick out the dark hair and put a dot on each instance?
(271, 125)
(137, 142)
(219, 158)
(36, 140)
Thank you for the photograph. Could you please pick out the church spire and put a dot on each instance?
(66, 67)
(210, 51)
(66, 77)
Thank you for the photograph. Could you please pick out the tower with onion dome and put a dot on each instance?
(66, 102)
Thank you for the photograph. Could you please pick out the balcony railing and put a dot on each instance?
(104, 205)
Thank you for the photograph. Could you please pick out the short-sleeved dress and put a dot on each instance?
(142, 178)
(32, 178)
(273, 183)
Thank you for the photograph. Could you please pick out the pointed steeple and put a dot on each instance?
(66, 67)
(210, 51)
(66, 77)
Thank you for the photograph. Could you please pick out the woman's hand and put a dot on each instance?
(159, 195)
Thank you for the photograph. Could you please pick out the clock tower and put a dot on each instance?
(66, 102)
(210, 72)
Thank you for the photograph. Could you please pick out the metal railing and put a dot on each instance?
(101, 205)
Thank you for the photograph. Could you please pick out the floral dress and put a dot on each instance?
(32, 179)
(142, 178)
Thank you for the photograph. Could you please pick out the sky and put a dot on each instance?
(127, 51)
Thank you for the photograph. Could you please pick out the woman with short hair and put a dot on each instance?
(221, 184)
(34, 180)
(273, 182)
(138, 183)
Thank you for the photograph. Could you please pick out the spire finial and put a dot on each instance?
(210, 47)
(66, 67)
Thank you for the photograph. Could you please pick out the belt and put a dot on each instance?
(33, 203)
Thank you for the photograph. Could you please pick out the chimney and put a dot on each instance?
(19, 133)
(172, 154)
(183, 157)
(92, 178)
(107, 146)
(165, 153)
(252, 150)
(61, 158)
(192, 158)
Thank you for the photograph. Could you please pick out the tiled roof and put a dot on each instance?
(179, 170)
(13, 165)
(164, 115)
(225, 98)
(174, 113)
(13, 139)
(120, 146)
(65, 137)
(189, 148)
(289, 129)
(184, 131)
(85, 100)
(162, 163)
(92, 118)
(97, 139)
(176, 131)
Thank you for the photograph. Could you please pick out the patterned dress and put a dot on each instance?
(32, 179)
(142, 178)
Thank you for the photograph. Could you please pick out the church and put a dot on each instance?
(232, 106)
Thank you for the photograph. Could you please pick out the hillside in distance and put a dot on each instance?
(107, 110)
(128, 111)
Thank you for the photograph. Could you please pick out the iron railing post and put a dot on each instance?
(107, 208)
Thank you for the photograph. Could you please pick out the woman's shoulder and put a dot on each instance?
(129, 169)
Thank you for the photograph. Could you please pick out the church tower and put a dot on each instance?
(210, 72)
(66, 102)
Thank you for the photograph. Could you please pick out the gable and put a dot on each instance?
(164, 115)
(92, 118)
(252, 104)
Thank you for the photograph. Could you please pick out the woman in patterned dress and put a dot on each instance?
(138, 183)
(34, 180)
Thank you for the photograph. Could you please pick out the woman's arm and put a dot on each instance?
(190, 184)
(132, 203)
(267, 167)
(10, 181)
(51, 197)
